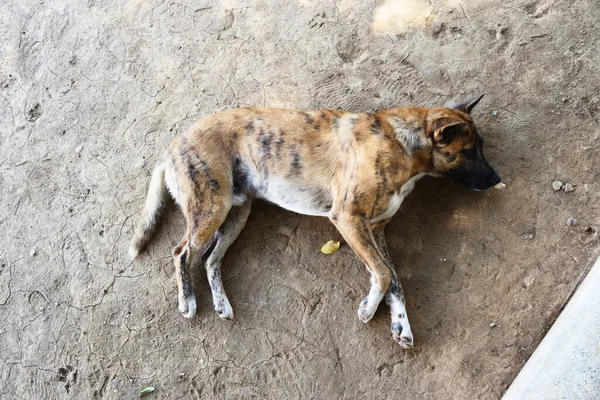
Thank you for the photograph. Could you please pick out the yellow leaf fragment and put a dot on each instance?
(330, 247)
(146, 390)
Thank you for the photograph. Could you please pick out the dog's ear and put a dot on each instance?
(444, 134)
(467, 106)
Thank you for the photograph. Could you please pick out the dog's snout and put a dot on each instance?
(495, 179)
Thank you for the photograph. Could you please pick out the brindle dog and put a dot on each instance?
(354, 168)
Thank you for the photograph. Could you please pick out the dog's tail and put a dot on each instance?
(155, 201)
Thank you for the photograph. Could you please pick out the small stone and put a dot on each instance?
(568, 187)
(564, 99)
(33, 252)
(501, 186)
(78, 149)
(571, 221)
(492, 325)
(557, 185)
(529, 236)
(494, 113)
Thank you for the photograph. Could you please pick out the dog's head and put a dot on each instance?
(458, 148)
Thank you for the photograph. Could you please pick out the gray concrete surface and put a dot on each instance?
(566, 364)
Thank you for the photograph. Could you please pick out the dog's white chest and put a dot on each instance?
(397, 198)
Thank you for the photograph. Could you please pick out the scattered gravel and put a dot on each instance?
(557, 185)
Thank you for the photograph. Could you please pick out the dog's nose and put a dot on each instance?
(495, 179)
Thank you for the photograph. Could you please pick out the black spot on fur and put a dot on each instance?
(186, 287)
(309, 119)
(296, 164)
(376, 126)
(192, 172)
(278, 145)
(241, 181)
(214, 184)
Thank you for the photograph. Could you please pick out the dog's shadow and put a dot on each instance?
(425, 239)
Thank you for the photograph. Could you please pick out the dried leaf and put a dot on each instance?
(330, 247)
(146, 390)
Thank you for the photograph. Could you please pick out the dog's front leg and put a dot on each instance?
(356, 230)
(394, 297)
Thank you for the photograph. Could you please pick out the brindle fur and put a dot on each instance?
(354, 168)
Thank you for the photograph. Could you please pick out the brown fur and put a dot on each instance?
(348, 166)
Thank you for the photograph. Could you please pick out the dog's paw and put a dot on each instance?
(402, 335)
(365, 313)
(224, 309)
(187, 306)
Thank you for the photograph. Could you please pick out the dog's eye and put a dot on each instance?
(470, 153)
(449, 157)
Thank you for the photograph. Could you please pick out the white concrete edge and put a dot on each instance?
(566, 364)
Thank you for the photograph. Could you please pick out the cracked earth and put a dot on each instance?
(90, 94)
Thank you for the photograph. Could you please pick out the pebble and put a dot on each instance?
(494, 113)
(78, 149)
(528, 236)
(492, 325)
(568, 187)
(33, 252)
(557, 185)
(571, 221)
(501, 186)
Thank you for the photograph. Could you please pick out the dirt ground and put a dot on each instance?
(92, 91)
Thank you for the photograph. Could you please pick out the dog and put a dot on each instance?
(353, 168)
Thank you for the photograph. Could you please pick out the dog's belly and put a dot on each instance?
(305, 200)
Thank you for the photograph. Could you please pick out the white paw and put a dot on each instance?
(401, 331)
(187, 306)
(223, 307)
(366, 311)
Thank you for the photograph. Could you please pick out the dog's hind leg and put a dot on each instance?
(225, 236)
(202, 225)
(201, 186)
(394, 297)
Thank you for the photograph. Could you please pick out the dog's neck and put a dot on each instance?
(409, 125)
(411, 136)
